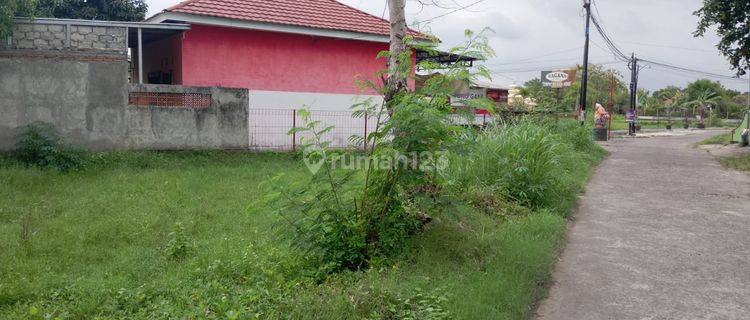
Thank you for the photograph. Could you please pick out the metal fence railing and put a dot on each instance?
(269, 129)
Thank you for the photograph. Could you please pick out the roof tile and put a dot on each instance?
(321, 14)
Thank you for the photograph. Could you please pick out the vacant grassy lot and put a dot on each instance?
(170, 235)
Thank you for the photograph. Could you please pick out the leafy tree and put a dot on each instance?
(114, 10)
(703, 100)
(9, 9)
(598, 91)
(732, 21)
(699, 87)
(671, 98)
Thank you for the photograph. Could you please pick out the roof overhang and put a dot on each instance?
(149, 31)
(103, 23)
(243, 24)
(445, 59)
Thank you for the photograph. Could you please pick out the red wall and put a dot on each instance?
(261, 60)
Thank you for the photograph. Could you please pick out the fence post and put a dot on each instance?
(294, 131)
(366, 116)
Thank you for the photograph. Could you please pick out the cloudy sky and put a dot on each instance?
(534, 35)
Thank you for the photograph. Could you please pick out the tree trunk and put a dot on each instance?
(396, 81)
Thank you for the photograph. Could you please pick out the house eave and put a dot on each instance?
(251, 25)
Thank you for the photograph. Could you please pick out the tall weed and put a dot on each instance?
(527, 162)
(39, 144)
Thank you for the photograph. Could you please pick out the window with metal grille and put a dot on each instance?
(170, 100)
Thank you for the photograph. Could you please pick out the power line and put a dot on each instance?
(540, 56)
(549, 67)
(689, 70)
(666, 46)
(538, 61)
(607, 40)
(453, 11)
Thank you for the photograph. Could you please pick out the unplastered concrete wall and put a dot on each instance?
(222, 124)
(75, 77)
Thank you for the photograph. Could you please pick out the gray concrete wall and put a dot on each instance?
(84, 99)
(76, 79)
(222, 125)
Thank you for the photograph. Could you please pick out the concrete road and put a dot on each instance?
(663, 232)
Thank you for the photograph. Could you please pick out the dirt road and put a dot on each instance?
(663, 232)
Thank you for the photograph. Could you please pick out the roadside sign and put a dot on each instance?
(459, 99)
(558, 79)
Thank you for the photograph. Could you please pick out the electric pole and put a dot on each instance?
(585, 79)
(633, 82)
(632, 114)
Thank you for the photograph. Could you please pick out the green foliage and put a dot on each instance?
(599, 83)
(714, 119)
(97, 241)
(525, 162)
(352, 220)
(110, 10)
(178, 243)
(731, 19)
(741, 162)
(39, 144)
(722, 139)
(9, 9)
(420, 305)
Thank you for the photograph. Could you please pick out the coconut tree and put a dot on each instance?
(702, 100)
(671, 100)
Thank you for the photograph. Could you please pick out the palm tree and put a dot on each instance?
(704, 99)
(671, 102)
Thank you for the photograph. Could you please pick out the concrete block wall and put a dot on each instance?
(76, 78)
(222, 125)
(52, 36)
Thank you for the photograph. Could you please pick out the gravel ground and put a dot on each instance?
(663, 232)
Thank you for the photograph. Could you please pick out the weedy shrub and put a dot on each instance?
(419, 305)
(178, 243)
(350, 219)
(519, 160)
(575, 135)
(39, 144)
(714, 119)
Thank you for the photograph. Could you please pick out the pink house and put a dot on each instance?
(288, 53)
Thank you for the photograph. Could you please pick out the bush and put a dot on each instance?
(39, 144)
(178, 243)
(522, 159)
(525, 162)
(714, 119)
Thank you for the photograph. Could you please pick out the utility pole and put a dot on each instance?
(611, 106)
(585, 79)
(633, 82)
(633, 110)
(396, 81)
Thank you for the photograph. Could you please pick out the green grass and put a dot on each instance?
(738, 162)
(96, 243)
(722, 139)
